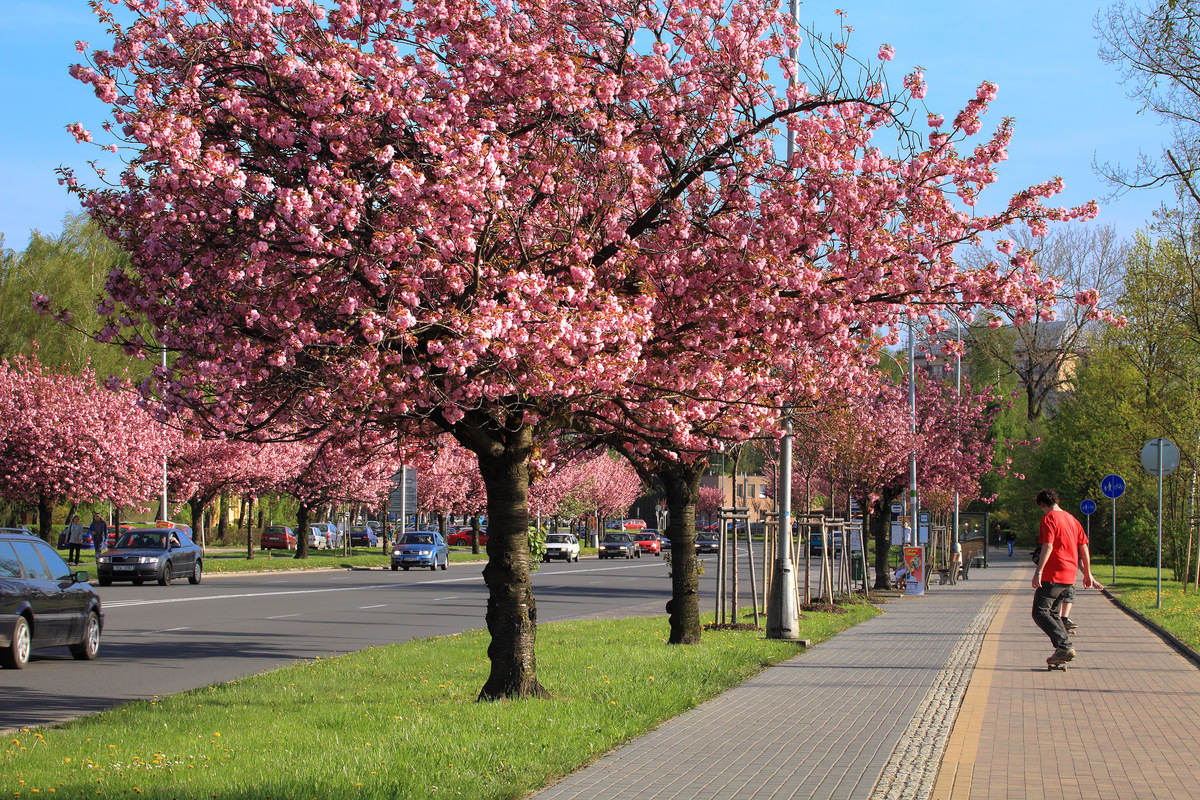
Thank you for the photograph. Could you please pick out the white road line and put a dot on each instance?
(164, 630)
(284, 616)
(364, 608)
(440, 599)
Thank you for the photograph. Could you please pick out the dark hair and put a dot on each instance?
(1047, 498)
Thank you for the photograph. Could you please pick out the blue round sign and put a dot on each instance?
(1113, 486)
(1088, 507)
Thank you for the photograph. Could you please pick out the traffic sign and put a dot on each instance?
(1113, 486)
(1160, 451)
(1088, 507)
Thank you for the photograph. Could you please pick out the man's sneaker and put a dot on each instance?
(1061, 655)
(1070, 626)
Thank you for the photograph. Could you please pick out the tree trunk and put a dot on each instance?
(249, 505)
(682, 485)
(883, 538)
(511, 611)
(441, 518)
(222, 516)
(46, 519)
(475, 533)
(302, 515)
(198, 506)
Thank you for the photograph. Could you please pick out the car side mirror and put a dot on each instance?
(81, 577)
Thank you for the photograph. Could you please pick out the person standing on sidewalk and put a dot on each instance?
(1064, 546)
(1010, 538)
(74, 534)
(99, 529)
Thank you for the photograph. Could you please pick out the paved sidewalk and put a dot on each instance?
(1128, 711)
(824, 724)
(945, 696)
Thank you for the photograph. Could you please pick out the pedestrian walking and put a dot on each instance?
(1011, 539)
(1064, 548)
(99, 529)
(74, 534)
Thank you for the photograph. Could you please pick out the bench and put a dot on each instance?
(972, 555)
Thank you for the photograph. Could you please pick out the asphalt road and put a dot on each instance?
(160, 640)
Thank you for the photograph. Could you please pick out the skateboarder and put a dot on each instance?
(1064, 546)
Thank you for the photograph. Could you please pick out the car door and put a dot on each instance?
(51, 611)
(183, 559)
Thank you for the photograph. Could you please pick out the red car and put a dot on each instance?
(648, 541)
(461, 537)
(278, 537)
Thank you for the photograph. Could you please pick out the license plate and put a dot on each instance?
(122, 567)
(410, 558)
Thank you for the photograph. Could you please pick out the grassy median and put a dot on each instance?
(398, 721)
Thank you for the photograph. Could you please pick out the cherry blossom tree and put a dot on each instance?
(450, 483)
(709, 501)
(64, 436)
(353, 466)
(497, 221)
(199, 469)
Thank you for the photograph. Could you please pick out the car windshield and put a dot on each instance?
(616, 537)
(557, 538)
(276, 531)
(644, 537)
(417, 538)
(143, 540)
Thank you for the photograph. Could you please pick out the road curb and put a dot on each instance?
(1168, 637)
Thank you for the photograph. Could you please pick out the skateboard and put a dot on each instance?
(1057, 665)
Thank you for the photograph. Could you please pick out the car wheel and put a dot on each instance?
(16, 655)
(406, 569)
(395, 567)
(577, 558)
(105, 581)
(164, 577)
(433, 566)
(446, 563)
(90, 644)
(137, 581)
(197, 570)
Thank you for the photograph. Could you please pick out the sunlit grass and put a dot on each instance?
(1137, 588)
(398, 721)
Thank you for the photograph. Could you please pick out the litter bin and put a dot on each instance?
(856, 566)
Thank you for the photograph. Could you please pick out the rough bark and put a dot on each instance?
(222, 516)
(249, 505)
(475, 534)
(511, 612)
(879, 525)
(302, 516)
(682, 485)
(45, 519)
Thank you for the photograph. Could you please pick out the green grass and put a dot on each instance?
(1136, 587)
(398, 721)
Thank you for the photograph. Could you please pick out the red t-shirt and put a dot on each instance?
(1066, 536)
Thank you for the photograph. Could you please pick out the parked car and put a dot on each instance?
(461, 537)
(362, 536)
(87, 539)
(648, 541)
(707, 543)
(664, 541)
(619, 545)
(317, 538)
(420, 549)
(333, 538)
(44, 604)
(278, 537)
(151, 554)
(561, 545)
(21, 529)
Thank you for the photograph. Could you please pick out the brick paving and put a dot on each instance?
(824, 724)
(945, 696)
(1122, 722)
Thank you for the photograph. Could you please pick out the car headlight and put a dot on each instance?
(148, 560)
(395, 552)
(104, 559)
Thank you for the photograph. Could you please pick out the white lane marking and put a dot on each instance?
(364, 608)
(476, 579)
(284, 616)
(439, 599)
(164, 630)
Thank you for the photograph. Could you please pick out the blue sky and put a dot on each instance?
(1068, 105)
